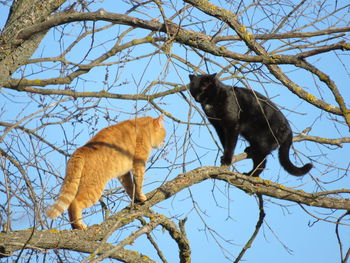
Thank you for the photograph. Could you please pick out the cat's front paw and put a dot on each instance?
(248, 150)
(141, 198)
(79, 225)
(226, 161)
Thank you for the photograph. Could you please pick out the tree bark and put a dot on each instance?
(88, 240)
(23, 14)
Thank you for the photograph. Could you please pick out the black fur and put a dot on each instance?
(237, 111)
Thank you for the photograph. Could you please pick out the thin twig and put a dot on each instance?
(343, 259)
(256, 231)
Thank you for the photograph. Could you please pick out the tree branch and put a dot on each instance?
(69, 239)
(190, 38)
(256, 231)
(23, 14)
(83, 241)
(155, 221)
(305, 137)
(287, 35)
(270, 61)
(100, 94)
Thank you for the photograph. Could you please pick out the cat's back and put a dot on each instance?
(255, 104)
(112, 149)
(122, 131)
(114, 139)
(250, 97)
(261, 113)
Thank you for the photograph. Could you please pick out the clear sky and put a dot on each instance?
(221, 218)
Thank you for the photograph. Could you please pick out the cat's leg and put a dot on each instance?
(259, 166)
(231, 137)
(88, 194)
(75, 215)
(220, 131)
(259, 161)
(139, 172)
(248, 151)
(128, 184)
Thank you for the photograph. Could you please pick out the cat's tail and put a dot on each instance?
(283, 155)
(69, 188)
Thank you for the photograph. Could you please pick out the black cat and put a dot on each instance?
(233, 111)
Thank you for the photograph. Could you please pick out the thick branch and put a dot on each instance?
(20, 84)
(181, 35)
(71, 240)
(83, 241)
(331, 85)
(23, 14)
(190, 38)
(248, 184)
(102, 93)
(287, 35)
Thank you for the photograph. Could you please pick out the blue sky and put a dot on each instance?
(218, 214)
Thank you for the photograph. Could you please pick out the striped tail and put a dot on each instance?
(69, 188)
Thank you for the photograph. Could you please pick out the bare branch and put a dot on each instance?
(256, 231)
(270, 61)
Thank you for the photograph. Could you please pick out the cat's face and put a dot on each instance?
(158, 134)
(199, 84)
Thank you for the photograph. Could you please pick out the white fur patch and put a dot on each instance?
(208, 107)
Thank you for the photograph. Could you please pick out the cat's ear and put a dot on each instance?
(191, 76)
(159, 121)
(213, 76)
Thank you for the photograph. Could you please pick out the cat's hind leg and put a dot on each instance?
(87, 196)
(128, 184)
(75, 215)
(248, 151)
(259, 161)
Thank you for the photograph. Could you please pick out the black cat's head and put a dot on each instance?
(199, 84)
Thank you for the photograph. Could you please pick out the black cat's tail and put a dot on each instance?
(283, 155)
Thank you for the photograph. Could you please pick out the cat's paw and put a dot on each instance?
(254, 173)
(248, 150)
(141, 198)
(226, 161)
(79, 225)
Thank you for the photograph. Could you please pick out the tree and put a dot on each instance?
(67, 70)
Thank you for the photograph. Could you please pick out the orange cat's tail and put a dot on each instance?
(69, 188)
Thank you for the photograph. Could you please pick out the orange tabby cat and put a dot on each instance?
(114, 152)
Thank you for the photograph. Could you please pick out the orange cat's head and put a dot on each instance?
(158, 134)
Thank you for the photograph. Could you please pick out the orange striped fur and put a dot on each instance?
(115, 151)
